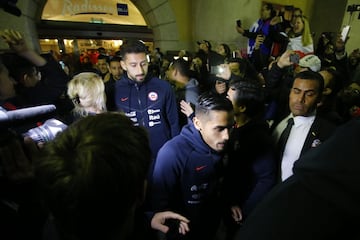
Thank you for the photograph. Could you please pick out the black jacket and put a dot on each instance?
(251, 166)
(320, 201)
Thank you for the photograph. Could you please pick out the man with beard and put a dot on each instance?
(148, 101)
(189, 167)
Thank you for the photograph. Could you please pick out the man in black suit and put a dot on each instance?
(305, 130)
(320, 201)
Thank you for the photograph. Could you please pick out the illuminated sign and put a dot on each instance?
(122, 9)
(86, 6)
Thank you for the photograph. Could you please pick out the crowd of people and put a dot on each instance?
(211, 145)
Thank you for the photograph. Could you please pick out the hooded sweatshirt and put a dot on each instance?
(186, 180)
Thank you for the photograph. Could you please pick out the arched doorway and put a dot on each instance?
(169, 31)
(83, 26)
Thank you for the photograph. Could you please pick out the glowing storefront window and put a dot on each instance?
(93, 11)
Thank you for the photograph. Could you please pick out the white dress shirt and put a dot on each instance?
(295, 142)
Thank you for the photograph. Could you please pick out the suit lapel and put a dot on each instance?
(312, 138)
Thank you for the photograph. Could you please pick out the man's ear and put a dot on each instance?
(197, 123)
(123, 66)
(242, 108)
(175, 72)
(25, 80)
(327, 91)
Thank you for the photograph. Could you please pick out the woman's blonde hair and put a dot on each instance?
(306, 38)
(87, 90)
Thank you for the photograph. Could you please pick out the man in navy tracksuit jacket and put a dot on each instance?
(147, 101)
(188, 168)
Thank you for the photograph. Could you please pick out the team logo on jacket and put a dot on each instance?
(153, 96)
(316, 143)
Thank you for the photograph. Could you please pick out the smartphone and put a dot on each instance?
(294, 58)
(238, 23)
(62, 64)
(233, 54)
(216, 70)
(345, 32)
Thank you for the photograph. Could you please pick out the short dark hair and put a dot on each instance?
(101, 56)
(336, 81)
(182, 66)
(115, 59)
(92, 181)
(209, 101)
(298, 9)
(250, 94)
(18, 67)
(133, 46)
(311, 75)
(270, 7)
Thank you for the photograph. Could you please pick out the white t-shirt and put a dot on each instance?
(295, 44)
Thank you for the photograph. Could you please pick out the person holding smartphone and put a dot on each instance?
(259, 54)
(300, 38)
(261, 26)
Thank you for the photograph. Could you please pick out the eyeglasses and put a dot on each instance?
(352, 91)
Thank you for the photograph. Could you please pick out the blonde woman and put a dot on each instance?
(300, 38)
(87, 92)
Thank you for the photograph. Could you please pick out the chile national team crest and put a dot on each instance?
(153, 96)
